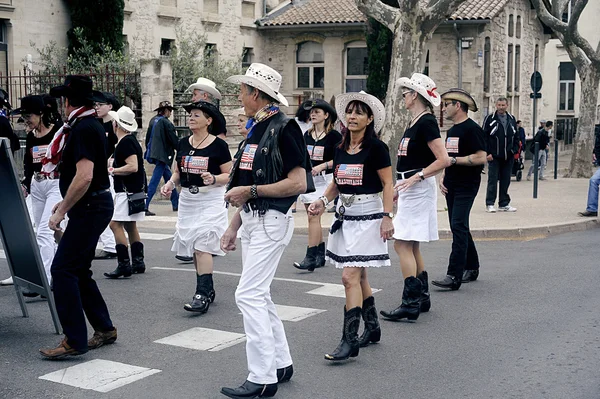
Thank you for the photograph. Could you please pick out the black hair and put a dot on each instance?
(370, 133)
(50, 114)
(80, 102)
(519, 121)
(302, 113)
(549, 124)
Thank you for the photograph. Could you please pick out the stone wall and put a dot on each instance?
(157, 85)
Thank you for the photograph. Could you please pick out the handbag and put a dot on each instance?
(136, 202)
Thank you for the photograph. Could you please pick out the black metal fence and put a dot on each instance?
(565, 130)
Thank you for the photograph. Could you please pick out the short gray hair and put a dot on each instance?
(502, 99)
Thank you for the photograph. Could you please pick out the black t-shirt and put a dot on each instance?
(134, 182)
(291, 146)
(87, 139)
(191, 162)
(357, 174)
(111, 137)
(35, 151)
(322, 150)
(413, 151)
(464, 139)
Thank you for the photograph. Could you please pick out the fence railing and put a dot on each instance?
(565, 129)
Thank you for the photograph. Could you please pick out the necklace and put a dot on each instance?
(417, 117)
(196, 147)
(353, 149)
(318, 136)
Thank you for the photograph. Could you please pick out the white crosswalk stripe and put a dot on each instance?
(203, 339)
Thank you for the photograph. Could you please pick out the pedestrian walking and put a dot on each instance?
(542, 137)
(591, 208)
(265, 181)
(421, 156)
(6, 130)
(79, 148)
(321, 141)
(126, 166)
(502, 142)
(206, 90)
(363, 220)
(203, 165)
(460, 183)
(161, 142)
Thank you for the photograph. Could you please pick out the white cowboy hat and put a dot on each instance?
(264, 78)
(423, 85)
(342, 101)
(125, 118)
(206, 85)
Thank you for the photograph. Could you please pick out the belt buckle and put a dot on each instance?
(347, 200)
(194, 189)
(38, 177)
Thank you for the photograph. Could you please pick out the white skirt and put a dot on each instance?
(358, 242)
(201, 221)
(416, 216)
(322, 181)
(121, 213)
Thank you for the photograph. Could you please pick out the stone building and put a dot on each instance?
(493, 46)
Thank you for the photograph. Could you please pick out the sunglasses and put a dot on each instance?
(446, 103)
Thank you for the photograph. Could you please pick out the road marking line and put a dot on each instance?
(296, 313)
(155, 236)
(172, 219)
(325, 289)
(99, 375)
(203, 339)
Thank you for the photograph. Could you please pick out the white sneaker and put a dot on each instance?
(490, 209)
(8, 281)
(507, 208)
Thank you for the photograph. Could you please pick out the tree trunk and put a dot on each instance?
(581, 160)
(407, 53)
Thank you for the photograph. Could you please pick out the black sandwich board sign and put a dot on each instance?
(18, 239)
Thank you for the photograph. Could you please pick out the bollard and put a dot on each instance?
(536, 161)
(555, 158)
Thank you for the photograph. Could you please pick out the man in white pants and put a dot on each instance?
(265, 181)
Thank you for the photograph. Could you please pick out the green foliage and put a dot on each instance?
(379, 44)
(100, 23)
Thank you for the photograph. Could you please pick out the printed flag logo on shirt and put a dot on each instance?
(194, 164)
(452, 145)
(316, 152)
(349, 175)
(248, 156)
(38, 153)
(403, 147)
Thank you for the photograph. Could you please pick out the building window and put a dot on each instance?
(357, 66)
(517, 67)
(509, 72)
(210, 55)
(310, 66)
(247, 57)
(426, 69)
(211, 6)
(166, 45)
(518, 29)
(248, 9)
(125, 45)
(487, 49)
(566, 87)
(511, 25)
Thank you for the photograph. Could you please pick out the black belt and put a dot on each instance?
(407, 174)
(99, 192)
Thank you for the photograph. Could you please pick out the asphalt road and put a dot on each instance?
(529, 328)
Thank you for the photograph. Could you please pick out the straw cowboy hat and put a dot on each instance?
(461, 95)
(264, 78)
(207, 86)
(423, 85)
(342, 101)
(218, 120)
(125, 118)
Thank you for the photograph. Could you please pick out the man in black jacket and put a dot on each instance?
(592, 201)
(543, 138)
(161, 142)
(500, 130)
(6, 129)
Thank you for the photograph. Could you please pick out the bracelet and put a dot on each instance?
(254, 191)
(173, 183)
(325, 200)
(214, 180)
(469, 159)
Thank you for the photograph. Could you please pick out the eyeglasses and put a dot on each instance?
(404, 93)
(96, 105)
(446, 103)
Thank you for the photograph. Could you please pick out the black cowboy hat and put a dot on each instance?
(218, 120)
(111, 99)
(321, 104)
(75, 86)
(163, 105)
(4, 99)
(30, 105)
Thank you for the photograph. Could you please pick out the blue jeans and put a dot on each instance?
(161, 170)
(592, 203)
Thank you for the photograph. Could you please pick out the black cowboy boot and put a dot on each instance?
(410, 307)
(451, 282)
(320, 259)
(137, 257)
(372, 331)
(425, 297)
(349, 345)
(250, 390)
(470, 275)
(204, 296)
(310, 260)
(123, 265)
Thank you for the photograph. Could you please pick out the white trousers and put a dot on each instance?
(107, 238)
(44, 195)
(264, 238)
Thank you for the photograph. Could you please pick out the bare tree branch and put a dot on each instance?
(386, 15)
(559, 7)
(437, 12)
(577, 7)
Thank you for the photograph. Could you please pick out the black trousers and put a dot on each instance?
(75, 291)
(459, 200)
(499, 170)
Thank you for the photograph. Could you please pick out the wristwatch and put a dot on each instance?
(421, 175)
(453, 161)
(389, 214)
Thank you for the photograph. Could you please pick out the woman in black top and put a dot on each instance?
(421, 156)
(357, 239)
(203, 166)
(43, 188)
(321, 140)
(126, 166)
